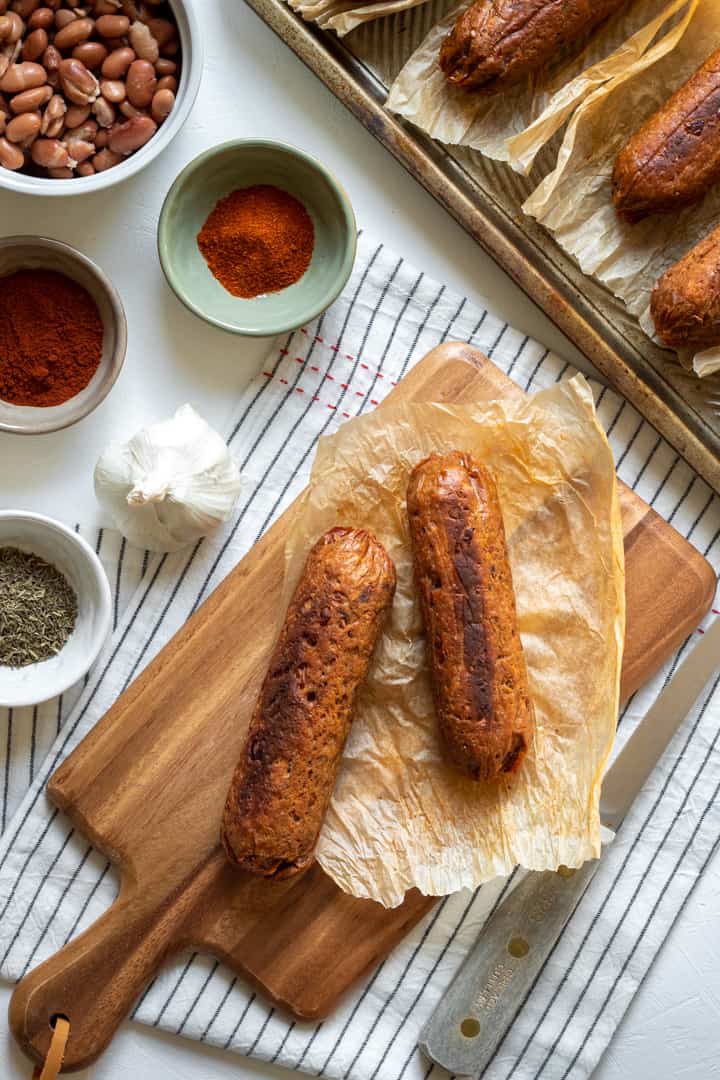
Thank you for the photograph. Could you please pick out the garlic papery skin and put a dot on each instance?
(171, 484)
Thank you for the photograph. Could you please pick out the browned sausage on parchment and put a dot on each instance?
(285, 777)
(476, 658)
(496, 43)
(685, 303)
(675, 156)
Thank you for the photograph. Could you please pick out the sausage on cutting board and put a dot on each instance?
(496, 43)
(283, 782)
(466, 592)
(675, 156)
(685, 303)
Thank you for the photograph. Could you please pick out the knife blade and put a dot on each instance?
(485, 995)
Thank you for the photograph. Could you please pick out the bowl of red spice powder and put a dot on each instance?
(62, 336)
(257, 237)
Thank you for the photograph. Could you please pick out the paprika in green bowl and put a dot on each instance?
(63, 338)
(256, 237)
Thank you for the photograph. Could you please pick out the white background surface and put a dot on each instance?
(253, 86)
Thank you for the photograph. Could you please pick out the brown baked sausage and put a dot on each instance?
(685, 302)
(675, 156)
(463, 576)
(496, 43)
(285, 777)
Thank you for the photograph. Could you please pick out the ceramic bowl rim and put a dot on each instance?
(67, 677)
(347, 214)
(117, 359)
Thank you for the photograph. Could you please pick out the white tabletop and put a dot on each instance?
(253, 86)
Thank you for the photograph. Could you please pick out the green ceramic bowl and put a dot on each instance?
(239, 164)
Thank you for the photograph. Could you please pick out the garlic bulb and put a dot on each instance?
(170, 484)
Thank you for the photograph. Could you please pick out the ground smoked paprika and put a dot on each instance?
(51, 337)
(257, 240)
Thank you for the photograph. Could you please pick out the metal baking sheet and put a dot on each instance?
(485, 197)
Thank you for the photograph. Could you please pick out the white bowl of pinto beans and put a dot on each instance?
(90, 95)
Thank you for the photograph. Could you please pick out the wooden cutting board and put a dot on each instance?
(147, 787)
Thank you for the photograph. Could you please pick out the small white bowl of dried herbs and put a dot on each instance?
(55, 608)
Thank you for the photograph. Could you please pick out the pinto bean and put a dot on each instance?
(112, 26)
(162, 104)
(50, 154)
(11, 156)
(34, 45)
(73, 34)
(91, 54)
(31, 99)
(23, 129)
(105, 160)
(79, 85)
(23, 76)
(129, 136)
(117, 63)
(141, 83)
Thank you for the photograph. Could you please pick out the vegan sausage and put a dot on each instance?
(285, 777)
(685, 303)
(496, 43)
(675, 157)
(474, 650)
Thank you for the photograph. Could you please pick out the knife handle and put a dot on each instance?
(483, 999)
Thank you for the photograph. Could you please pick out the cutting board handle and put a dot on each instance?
(96, 979)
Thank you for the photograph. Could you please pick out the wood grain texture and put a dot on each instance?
(147, 787)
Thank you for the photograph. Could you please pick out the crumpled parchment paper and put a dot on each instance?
(574, 200)
(515, 125)
(342, 16)
(400, 816)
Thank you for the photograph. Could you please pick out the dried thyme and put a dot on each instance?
(38, 609)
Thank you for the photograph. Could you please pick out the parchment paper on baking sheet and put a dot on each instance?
(401, 817)
(515, 125)
(574, 200)
(342, 16)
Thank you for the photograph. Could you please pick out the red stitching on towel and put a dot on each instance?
(315, 397)
(306, 332)
(700, 630)
(336, 349)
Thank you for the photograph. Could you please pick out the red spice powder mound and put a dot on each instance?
(257, 240)
(51, 338)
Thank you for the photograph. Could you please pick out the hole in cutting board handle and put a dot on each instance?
(518, 947)
(57, 1016)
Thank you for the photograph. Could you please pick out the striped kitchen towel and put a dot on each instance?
(53, 884)
(27, 734)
